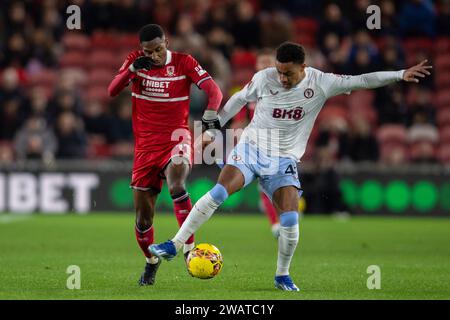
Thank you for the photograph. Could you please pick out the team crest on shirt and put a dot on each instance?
(236, 157)
(170, 71)
(309, 93)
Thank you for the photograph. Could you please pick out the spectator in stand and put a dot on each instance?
(417, 18)
(6, 154)
(121, 131)
(333, 135)
(391, 105)
(421, 111)
(35, 141)
(362, 144)
(39, 104)
(216, 29)
(335, 52)
(71, 137)
(43, 49)
(185, 37)
(389, 21)
(443, 20)
(333, 22)
(423, 139)
(324, 195)
(392, 55)
(276, 27)
(53, 22)
(96, 122)
(363, 56)
(245, 29)
(17, 53)
(358, 16)
(12, 118)
(120, 123)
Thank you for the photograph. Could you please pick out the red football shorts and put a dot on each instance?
(149, 165)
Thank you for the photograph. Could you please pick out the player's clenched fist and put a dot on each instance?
(210, 120)
(141, 63)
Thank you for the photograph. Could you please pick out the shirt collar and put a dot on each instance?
(168, 57)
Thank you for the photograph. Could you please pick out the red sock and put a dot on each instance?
(182, 206)
(269, 209)
(144, 239)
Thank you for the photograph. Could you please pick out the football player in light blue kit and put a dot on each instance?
(289, 97)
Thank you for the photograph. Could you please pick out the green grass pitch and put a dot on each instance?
(330, 263)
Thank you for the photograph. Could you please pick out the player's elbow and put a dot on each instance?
(112, 92)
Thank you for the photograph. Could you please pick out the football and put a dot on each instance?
(204, 261)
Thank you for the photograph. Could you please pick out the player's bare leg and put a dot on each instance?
(285, 200)
(230, 180)
(176, 174)
(144, 203)
(271, 214)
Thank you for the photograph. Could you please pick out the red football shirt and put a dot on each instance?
(160, 99)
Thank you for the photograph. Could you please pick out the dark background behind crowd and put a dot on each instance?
(53, 81)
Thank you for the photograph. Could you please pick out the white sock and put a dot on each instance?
(200, 213)
(188, 247)
(287, 242)
(152, 260)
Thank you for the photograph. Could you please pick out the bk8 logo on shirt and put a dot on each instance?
(295, 114)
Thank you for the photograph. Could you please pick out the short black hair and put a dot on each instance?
(150, 32)
(291, 52)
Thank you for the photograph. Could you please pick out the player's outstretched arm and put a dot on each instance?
(334, 85)
(232, 107)
(420, 70)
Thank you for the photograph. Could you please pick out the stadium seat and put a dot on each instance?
(444, 134)
(129, 41)
(361, 98)
(423, 151)
(43, 77)
(392, 133)
(333, 111)
(240, 77)
(73, 59)
(442, 62)
(368, 112)
(423, 133)
(442, 80)
(418, 45)
(443, 98)
(103, 59)
(394, 153)
(98, 92)
(104, 40)
(74, 41)
(78, 75)
(100, 77)
(243, 59)
(443, 117)
(443, 153)
(442, 45)
(341, 99)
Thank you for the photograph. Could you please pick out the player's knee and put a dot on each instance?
(144, 218)
(144, 223)
(176, 189)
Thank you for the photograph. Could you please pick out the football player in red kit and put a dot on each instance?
(161, 82)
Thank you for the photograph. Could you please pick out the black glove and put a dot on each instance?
(142, 63)
(210, 124)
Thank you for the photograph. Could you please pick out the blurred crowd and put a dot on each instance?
(53, 81)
